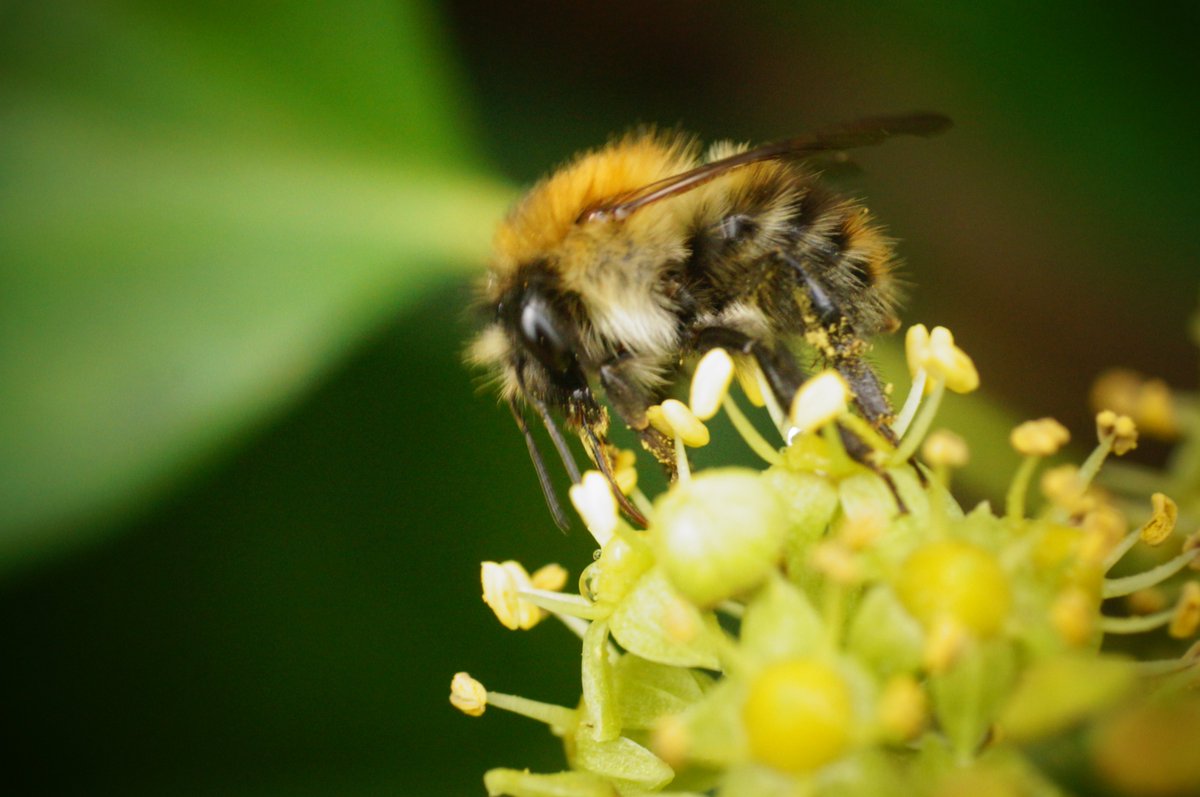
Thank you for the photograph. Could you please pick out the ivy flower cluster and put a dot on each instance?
(825, 626)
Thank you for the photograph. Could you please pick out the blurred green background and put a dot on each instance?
(245, 482)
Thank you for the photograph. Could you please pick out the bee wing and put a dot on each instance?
(861, 133)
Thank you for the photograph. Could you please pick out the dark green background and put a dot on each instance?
(245, 483)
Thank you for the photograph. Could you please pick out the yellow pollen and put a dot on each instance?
(944, 448)
(1186, 618)
(710, 383)
(1162, 521)
(819, 401)
(468, 695)
(594, 501)
(1040, 438)
(1120, 428)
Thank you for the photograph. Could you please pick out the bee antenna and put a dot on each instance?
(560, 444)
(539, 466)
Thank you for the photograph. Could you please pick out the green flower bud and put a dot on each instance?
(719, 534)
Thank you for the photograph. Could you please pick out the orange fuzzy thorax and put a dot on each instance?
(542, 221)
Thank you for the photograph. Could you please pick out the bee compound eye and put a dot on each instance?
(543, 336)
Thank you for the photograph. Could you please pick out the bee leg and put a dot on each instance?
(779, 367)
(784, 376)
(845, 351)
(630, 403)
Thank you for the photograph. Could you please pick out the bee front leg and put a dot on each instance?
(630, 403)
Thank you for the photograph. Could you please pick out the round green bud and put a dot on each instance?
(719, 533)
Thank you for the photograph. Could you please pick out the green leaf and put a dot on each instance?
(200, 209)
(640, 624)
(624, 761)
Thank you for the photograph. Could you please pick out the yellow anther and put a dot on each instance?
(1186, 618)
(1063, 487)
(1191, 543)
(468, 695)
(837, 561)
(671, 740)
(710, 383)
(594, 501)
(625, 471)
(502, 583)
(747, 376)
(937, 354)
(549, 577)
(1120, 428)
(658, 419)
(1162, 520)
(1147, 601)
(1073, 615)
(685, 425)
(819, 401)
(903, 708)
(945, 448)
(1147, 401)
(1040, 438)
(916, 348)
(943, 645)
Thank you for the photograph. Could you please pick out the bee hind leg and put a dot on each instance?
(784, 376)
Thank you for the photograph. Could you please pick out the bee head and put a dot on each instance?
(543, 341)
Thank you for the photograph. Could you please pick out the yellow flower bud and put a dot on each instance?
(956, 580)
(798, 715)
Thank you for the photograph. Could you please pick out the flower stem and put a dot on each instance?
(1116, 587)
(911, 403)
(1015, 501)
(920, 425)
(1135, 625)
(758, 444)
(557, 717)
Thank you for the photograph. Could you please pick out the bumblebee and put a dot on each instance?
(617, 270)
